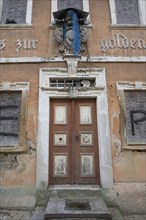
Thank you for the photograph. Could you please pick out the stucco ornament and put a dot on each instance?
(71, 35)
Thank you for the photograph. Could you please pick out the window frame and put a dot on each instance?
(24, 88)
(142, 13)
(85, 8)
(28, 19)
(121, 88)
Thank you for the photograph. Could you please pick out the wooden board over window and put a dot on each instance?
(13, 99)
(132, 101)
(10, 110)
(135, 107)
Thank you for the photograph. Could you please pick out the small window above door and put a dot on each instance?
(71, 83)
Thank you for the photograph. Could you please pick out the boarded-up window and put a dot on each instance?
(127, 12)
(10, 110)
(135, 104)
(62, 4)
(14, 11)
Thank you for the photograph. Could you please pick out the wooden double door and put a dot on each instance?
(73, 145)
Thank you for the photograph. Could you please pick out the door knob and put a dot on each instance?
(77, 137)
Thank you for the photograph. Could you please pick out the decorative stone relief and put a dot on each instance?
(71, 35)
(65, 46)
(72, 64)
(85, 83)
(73, 92)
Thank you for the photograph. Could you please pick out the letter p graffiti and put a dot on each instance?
(135, 120)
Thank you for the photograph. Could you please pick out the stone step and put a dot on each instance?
(38, 213)
(116, 214)
(77, 208)
(74, 190)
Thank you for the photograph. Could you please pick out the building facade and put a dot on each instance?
(72, 92)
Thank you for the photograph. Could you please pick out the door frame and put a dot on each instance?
(100, 93)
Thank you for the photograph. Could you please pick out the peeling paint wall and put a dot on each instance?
(18, 168)
(128, 165)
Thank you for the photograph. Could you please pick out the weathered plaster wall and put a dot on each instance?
(102, 30)
(19, 168)
(128, 165)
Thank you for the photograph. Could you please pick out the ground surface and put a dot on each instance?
(125, 201)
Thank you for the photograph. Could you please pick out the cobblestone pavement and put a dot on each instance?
(135, 217)
(15, 215)
(27, 215)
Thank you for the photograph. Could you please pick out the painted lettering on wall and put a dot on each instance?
(137, 117)
(122, 42)
(8, 118)
(2, 44)
(26, 44)
(135, 106)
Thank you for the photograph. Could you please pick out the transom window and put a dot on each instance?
(57, 5)
(15, 11)
(128, 12)
(70, 83)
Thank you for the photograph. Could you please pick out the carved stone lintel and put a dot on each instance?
(73, 92)
(72, 63)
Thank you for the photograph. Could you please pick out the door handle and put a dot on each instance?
(78, 137)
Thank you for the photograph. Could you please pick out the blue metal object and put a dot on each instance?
(72, 31)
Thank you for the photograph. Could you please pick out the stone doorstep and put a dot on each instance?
(116, 214)
(57, 208)
(38, 213)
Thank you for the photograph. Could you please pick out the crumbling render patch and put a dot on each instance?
(8, 162)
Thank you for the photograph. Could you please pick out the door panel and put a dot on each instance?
(73, 146)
